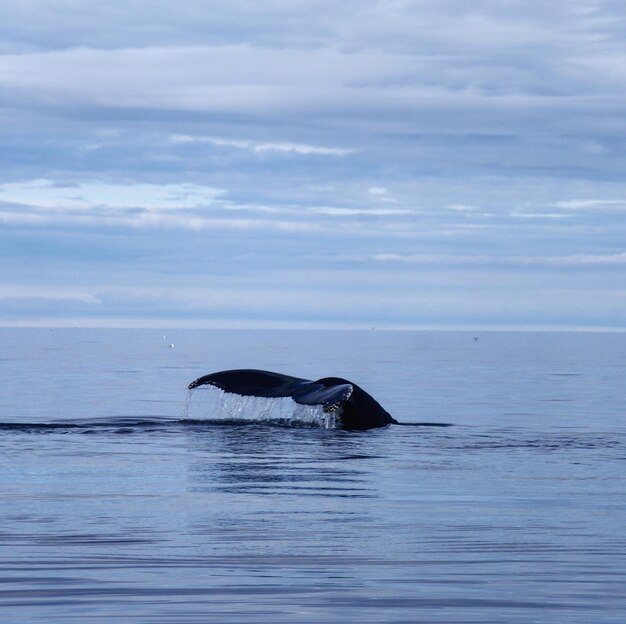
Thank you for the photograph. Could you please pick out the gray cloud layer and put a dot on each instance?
(432, 162)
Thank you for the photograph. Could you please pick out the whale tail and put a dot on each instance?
(357, 410)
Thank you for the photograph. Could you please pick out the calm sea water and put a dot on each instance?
(116, 508)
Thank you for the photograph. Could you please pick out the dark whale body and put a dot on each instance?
(356, 408)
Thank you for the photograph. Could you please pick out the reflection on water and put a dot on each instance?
(261, 459)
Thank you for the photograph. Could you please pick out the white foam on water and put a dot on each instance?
(213, 404)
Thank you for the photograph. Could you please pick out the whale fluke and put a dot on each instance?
(357, 410)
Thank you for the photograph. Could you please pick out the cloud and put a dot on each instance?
(378, 191)
(525, 214)
(231, 78)
(293, 148)
(43, 203)
(461, 160)
(52, 196)
(612, 205)
(569, 261)
(426, 87)
(356, 212)
(152, 221)
(428, 25)
(8, 292)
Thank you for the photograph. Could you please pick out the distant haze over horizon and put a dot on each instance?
(397, 164)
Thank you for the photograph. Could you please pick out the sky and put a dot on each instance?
(301, 163)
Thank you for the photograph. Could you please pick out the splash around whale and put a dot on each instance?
(353, 408)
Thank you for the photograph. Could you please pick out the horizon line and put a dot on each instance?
(264, 325)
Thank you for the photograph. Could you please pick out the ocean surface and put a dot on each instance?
(124, 498)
